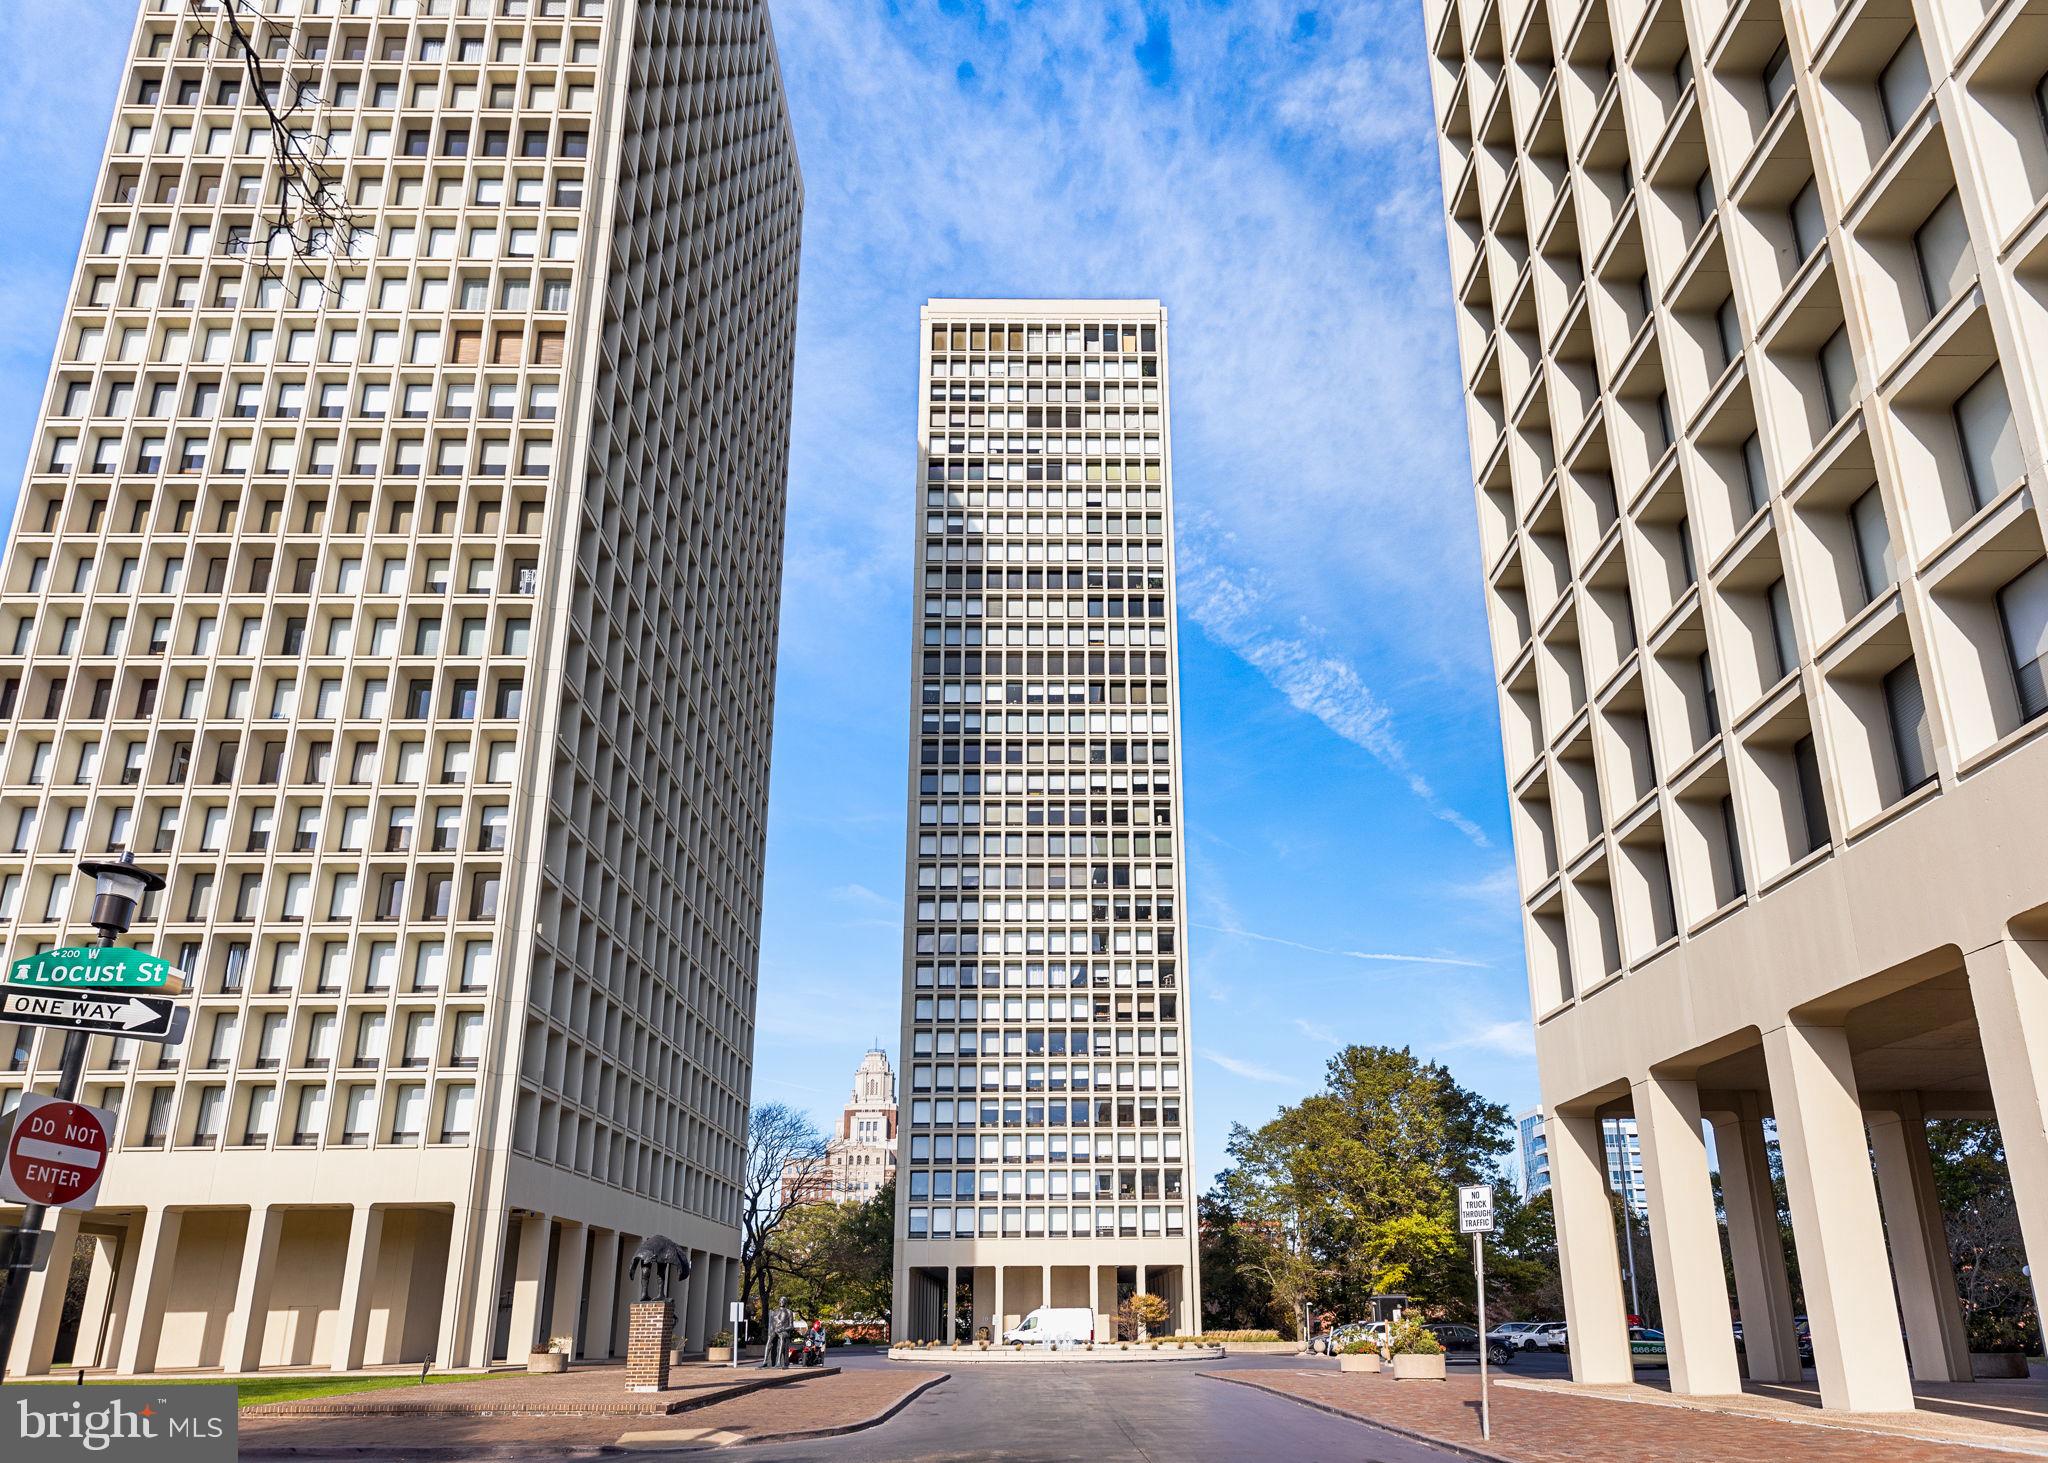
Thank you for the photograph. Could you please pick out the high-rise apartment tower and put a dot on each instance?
(1045, 1133)
(415, 613)
(1749, 300)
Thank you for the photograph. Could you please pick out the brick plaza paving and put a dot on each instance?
(1557, 1422)
(815, 1402)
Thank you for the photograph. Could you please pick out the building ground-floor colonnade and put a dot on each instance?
(1835, 1094)
(961, 1302)
(236, 1289)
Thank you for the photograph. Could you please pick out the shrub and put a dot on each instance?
(1362, 1348)
(723, 1338)
(1409, 1337)
(1999, 1335)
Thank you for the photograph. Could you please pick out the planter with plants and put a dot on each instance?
(720, 1348)
(1998, 1346)
(552, 1360)
(1417, 1354)
(1359, 1356)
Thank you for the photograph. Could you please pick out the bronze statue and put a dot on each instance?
(781, 1324)
(658, 1264)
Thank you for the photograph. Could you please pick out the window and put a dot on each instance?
(2023, 610)
(1809, 228)
(1873, 544)
(1837, 374)
(1941, 247)
(1753, 478)
(1903, 85)
(1783, 644)
(1991, 448)
(1912, 743)
(1777, 77)
(1703, 196)
(1730, 331)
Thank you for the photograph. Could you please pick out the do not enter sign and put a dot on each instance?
(56, 1153)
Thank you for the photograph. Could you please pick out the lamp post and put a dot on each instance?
(119, 887)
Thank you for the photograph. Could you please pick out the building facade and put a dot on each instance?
(1044, 1156)
(332, 595)
(860, 1156)
(1749, 305)
(1624, 1157)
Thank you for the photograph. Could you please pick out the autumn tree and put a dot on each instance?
(837, 1260)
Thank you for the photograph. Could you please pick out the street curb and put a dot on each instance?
(1476, 1455)
(777, 1439)
(341, 1404)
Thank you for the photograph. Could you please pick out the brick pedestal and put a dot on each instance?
(648, 1328)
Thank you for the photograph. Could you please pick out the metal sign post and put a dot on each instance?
(1475, 1217)
(739, 1329)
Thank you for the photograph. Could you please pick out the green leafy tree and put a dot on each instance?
(1352, 1191)
(836, 1260)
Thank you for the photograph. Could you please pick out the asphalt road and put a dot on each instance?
(1055, 1413)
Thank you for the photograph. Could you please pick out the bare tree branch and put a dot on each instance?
(310, 226)
(785, 1156)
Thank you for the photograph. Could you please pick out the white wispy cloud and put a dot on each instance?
(862, 895)
(1386, 956)
(1508, 1036)
(1250, 1071)
(1315, 1031)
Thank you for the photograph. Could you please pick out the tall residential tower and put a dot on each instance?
(1749, 300)
(1045, 1134)
(416, 615)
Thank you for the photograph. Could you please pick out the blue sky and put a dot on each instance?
(1268, 170)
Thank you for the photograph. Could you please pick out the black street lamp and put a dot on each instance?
(119, 887)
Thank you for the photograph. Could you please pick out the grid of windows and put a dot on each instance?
(1045, 1005)
(295, 554)
(1740, 292)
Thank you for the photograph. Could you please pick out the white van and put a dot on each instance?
(1055, 1326)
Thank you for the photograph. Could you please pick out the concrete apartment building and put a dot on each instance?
(1624, 1157)
(1750, 305)
(417, 617)
(860, 1156)
(1044, 1148)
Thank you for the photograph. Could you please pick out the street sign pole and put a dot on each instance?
(119, 887)
(21, 1244)
(1479, 1268)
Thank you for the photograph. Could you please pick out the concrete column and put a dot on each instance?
(1763, 1285)
(700, 1322)
(156, 1252)
(460, 1271)
(566, 1301)
(1589, 1261)
(949, 1306)
(624, 1290)
(242, 1351)
(2009, 988)
(724, 1295)
(1045, 1285)
(596, 1342)
(529, 1274)
(358, 1275)
(1001, 1323)
(1936, 1344)
(1095, 1296)
(1857, 1352)
(89, 1347)
(42, 1305)
(1685, 1238)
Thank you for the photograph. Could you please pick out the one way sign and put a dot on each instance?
(112, 1013)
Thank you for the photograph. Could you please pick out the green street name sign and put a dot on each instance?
(97, 967)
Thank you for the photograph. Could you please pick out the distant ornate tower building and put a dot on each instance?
(860, 1157)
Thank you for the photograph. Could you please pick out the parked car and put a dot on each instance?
(1548, 1336)
(1518, 1335)
(1333, 1341)
(1459, 1340)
